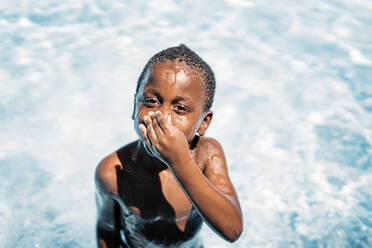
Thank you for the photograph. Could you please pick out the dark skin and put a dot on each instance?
(160, 188)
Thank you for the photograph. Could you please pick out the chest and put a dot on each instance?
(158, 197)
(174, 195)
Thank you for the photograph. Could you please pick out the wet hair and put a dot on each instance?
(185, 54)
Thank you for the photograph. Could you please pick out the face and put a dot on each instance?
(177, 91)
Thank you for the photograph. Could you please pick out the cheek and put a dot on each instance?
(177, 121)
(141, 111)
(187, 126)
(138, 119)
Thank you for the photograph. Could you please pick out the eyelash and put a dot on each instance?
(150, 102)
(184, 109)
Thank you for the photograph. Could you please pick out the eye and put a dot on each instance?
(149, 101)
(181, 109)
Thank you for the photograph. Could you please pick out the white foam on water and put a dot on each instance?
(292, 111)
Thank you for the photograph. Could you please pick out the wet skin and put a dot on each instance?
(159, 189)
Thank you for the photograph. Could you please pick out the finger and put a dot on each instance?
(158, 131)
(142, 128)
(162, 121)
(151, 114)
(151, 132)
(147, 143)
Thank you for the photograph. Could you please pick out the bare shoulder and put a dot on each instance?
(206, 150)
(210, 146)
(106, 172)
(215, 161)
(216, 169)
(105, 176)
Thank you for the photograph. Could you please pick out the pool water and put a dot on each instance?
(293, 111)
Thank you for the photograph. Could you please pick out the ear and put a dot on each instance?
(205, 123)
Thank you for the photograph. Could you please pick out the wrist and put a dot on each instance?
(179, 161)
(180, 164)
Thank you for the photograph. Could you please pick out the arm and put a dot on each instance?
(108, 211)
(213, 194)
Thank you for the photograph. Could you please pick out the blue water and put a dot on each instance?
(293, 111)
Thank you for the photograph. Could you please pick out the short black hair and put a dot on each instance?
(183, 53)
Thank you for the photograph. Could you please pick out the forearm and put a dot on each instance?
(212, 205)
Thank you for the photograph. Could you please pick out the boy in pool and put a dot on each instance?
(157, 191)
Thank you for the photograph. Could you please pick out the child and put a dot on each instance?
(157, 191)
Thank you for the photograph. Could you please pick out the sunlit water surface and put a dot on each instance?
(292, 111)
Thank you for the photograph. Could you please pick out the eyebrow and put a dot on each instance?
(178, 98)
(151, 91)
(183, 98)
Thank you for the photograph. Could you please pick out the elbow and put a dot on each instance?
(234, 232)
(234, 235)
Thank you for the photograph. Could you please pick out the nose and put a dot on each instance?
(165, 109)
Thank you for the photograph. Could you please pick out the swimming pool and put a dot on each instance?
(292, 111)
